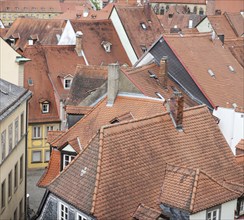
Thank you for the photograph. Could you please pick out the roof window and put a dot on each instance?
(211, 73)
(152, 75)
(143, 26)
(231, 68)
(159, 95)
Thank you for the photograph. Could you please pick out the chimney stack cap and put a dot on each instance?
(78, 34)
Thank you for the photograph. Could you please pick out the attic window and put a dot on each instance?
(211, 73)
(30, 82)
(107, 46)
(152, 75)
(45, 106)
(201, 12)
(231, 68)
(143, 48)
(67, 83)
(143, 25)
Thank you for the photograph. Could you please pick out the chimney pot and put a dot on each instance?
(163, 71)
(79, 43)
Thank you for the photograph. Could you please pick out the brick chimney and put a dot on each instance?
(79, 43)
(113, 83)
(176, 106)
(163, 71)
(147, 10)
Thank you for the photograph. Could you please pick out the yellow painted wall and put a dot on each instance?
(38, 144)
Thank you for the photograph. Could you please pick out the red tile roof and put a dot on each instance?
(123, 165)
(225, 85)
(94, 33)
(146, 213)
(202, 2)
(229, 6)
(236, 21)
(52, 170)
(136, 34)
(78, 110)
(193, 190)
(240, 145)
(25, 27)
(53, 135)
(149, 86)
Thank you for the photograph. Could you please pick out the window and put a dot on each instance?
(67, 83)
(81, 217)
(143, 26)
(213, 214)
(16, 176)
(49, 128)
(3, 144)
(45, 107)
(10, 137)
(22, 125)
(36, 156)
(242, 207)
(20, 209)
(16, 131)
(63, 212)
(3, 196)
(47, 155)
(21, 168)
(67, 159)
(36, 132)
(10, 184)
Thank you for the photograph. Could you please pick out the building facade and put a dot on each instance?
(13, 130)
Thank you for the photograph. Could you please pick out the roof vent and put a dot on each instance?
(152, 75)
(211, 73)
(231, 68)
(85, 13)
(83, 171)
(4, 92)
(143, 25)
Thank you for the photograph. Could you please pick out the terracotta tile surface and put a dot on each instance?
(150, 86)
(221, 25)
(240, 145)
(28, 26)
(102, 114)
(182, 1)
(124, 164)
(137, 35)
(146, 213)
(53, 135)
(3, 32)
(77, 110)
(236, 21)
(219, 88)
(94, 32)
(86, 80)
(229, 6)
(193, 190)
(52, 170)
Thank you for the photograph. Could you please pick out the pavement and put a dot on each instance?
(35, 193)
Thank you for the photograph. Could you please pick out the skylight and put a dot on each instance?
(231, 68)
(143, 25)
(211, 73)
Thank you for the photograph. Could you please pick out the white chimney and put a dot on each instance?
(113, 83)
(190, 23)
(79, 43)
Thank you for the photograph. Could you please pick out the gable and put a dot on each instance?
(68, 36)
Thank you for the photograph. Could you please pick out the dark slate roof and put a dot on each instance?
(10, 97)
(177, 71)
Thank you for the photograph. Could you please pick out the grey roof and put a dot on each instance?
(177, 72)
(11, 96)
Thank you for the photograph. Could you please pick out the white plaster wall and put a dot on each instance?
(145, 60)
(199, 216)
(205, 26)
(231, 125)
(68, 36)
(123, 37)
(9, 69)
(228, 210)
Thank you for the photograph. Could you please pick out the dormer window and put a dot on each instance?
(67, 83)
(45, 106)
(107, 46)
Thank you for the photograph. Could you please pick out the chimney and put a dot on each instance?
(113, 83)
(79, 43)
(176, 106)
(163, 71)
(147, 10)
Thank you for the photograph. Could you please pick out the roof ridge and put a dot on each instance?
(149, 117)
(101, 137)
(194, 190)
(75, 125)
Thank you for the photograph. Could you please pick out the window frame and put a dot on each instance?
(241, 212)
(63, 210)
(21, 168)
(49, 128)
(10, 185)
(35, 151)
(82, 217)
(47, 105)
(68, 79)
(69, 160)
(21, 209)
(22, 124)
(36, 132)
(16, 131)
(211, 210)
(16, 175)
(3, 195)
(45, 158)
(3, 144)
(10, 137)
